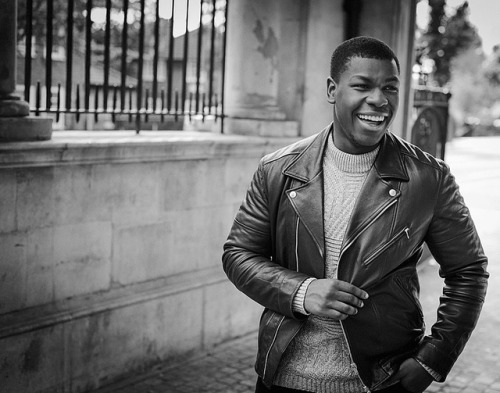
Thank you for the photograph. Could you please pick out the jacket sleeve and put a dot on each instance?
(454, 243)
(247, 258)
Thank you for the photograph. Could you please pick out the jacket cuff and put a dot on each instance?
(437, 377)
(435, 359)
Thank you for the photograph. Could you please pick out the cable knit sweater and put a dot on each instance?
(318, 358)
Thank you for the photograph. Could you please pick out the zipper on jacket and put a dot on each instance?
(283, 317)
(366, 226)
(271, 346)
(297, 243)
(380, 250)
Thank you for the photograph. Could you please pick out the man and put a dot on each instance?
(328, 239)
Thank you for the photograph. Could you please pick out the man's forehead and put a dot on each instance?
(366, 64)
(358, 59)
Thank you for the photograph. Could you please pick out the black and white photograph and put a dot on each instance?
(249, 196)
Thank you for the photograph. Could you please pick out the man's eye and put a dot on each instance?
(361, 86)
(392, 89)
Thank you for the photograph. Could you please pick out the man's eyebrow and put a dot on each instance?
(367, 79)
(364, 78)
(393, 79)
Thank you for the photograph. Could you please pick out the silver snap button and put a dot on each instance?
(293, 194)
(392, 192)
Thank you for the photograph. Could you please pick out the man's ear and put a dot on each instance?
(331, 89)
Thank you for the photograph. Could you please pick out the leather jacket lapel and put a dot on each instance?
(389, 162)
(380, 190)
(375, 197)
(307, 201)
(306, 194)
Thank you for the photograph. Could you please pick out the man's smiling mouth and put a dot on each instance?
(373, 119)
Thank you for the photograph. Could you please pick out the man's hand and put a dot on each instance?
(412, 376)
(333, 298)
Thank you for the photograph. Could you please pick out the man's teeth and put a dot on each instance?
(371, 118)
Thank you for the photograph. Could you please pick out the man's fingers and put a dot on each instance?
(334, 314)
(348, 299)
(349, 288)
(343, 308)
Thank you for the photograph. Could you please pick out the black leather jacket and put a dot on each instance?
(408, 198)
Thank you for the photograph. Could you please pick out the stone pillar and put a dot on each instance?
(325, 31)
(15, 122)
(398, 31)
(254, 48)
(403, 41)
(352, 9)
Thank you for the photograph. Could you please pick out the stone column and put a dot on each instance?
(398, 30)
(253, 74)
(15, 122)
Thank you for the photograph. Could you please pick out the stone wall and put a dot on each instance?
(111, 253)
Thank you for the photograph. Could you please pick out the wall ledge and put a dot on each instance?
(35, 318)
(94, 147)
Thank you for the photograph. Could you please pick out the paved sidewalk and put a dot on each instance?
(229, 368)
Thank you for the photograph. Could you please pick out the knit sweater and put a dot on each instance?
(318, 359)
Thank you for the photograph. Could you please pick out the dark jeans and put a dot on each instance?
(261, 388)
(394, 389)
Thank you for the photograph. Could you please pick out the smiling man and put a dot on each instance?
(328, 239)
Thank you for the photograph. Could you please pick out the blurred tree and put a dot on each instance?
(467, 83)
(59, 17)
(445, 38)
(60, 20)
(475, 98)
(98, 32)
(492, 66)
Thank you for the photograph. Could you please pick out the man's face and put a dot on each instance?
(365, 98)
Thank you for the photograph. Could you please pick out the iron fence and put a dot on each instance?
(431, 112)
(124, 63)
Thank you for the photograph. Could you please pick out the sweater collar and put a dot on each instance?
(350, 163)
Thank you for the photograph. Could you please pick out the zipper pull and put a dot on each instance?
(407, 231)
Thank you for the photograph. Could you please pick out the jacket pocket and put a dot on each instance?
(407, 285)
(374, 255)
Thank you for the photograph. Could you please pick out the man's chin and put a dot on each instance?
(369, 138)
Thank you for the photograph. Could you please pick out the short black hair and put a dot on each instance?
(367, 47)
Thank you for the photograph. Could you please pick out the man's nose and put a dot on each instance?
(377, 98)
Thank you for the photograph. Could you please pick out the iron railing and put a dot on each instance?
(124, 63)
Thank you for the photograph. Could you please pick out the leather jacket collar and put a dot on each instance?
(389, 162)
